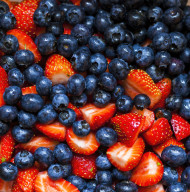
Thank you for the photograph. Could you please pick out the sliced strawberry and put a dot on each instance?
(26, 178)
(84, 166)
(76, 2)
(44, 184)
(77, 111)
(29, 90)
(83, 145)
(97, 117)
(38, 141)
(67, 28)
(58, 69)
(128, 127)
(180, 127)
(159, 132)
(26, 42)
(7, 145)
(126, 158)
(149, 171)
(16, 187)
(54, 130)
(40, 30)
(171, 141)
(154, 188)
(149, 118)
(5, 186)
(137, 82)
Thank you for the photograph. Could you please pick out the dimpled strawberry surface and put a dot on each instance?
(94, 96)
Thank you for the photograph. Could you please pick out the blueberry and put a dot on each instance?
(4, 128)
(58, 15)
(125, 52)
(141, 101)
(44, 156)
(117, 92)
(57, 89)
(8, 113)
(63, 153)
(90, 6)
(154, 14)
(24, 159)
(12, 95)
(176, 67)
(125, 186)
(67, 170)
(91, 84)
(60, 102)
(110, 52)
(187, 144)
(47, 114)
(186, 22)
(170, 176)
(15, 77)
(8, 171)
(55, 171)
(7, 62)
(124, 104)
(106, 136)
(77, 181)
(121, 175)
(177, 187)
(2, 32)
(188, 158)
(185, 55)
(43, 86)
(118, 12)
(173, 3)
(67, 117)
(102, 162)
(81, 128)
(129, 37)
(160, 112)
(89, 22)
(185, 109)
(22, 135)
(32, 103)
(79, 101)
(96, 44)
(104, 188)
(67, 45)
(104, 177)
(174, 156)
(140, 35)
(173, 102)
(26, 120)
(7, 21)
(162, 59)
(55, 28)
(4, 8)
(33, 72)
(51, 5)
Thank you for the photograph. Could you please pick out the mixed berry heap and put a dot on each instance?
(95, 96)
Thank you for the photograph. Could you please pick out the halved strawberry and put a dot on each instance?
(26, 42)
(84, 166)
(83, 145)
(126, 158)
(76, 2)
(128, 127)
(44, 184)
(16, 187)
(77, 111)
(180, 127)
(149, 117)
(149, 171)
(29, 90)
(137, 82)
(159, 132)
(7, 145)
(171, 141)
(5, 186)
(36, 142)
(54, 130)
(67, 28)
(97, 117)
(154, 188)
(58, 69)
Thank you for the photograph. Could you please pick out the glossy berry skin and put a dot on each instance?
(117, 92)
(12, 95)
(51, 5)
(7, 62)
(174, 156)
(55, 28)
(185, 109)
(187, 144)
(22, 135)
(15, 77)
(24, 159)
(102, 162)
(77, 181)
(121, 175)
(67, 117)
(125, 52)
(81, 128)
(89, 22)
(160, 112)
(90, 6)
(79, 101)
(44, 156)
(4, 8)
(104, 177)
(8, 113)
(176, 67)
(126, 186)
(57, 89)
(8, 171)
(173, 102)
(154, 14)
(43, 86)
(110, 52)
(185, 177)
(141, 101)
(104, 188)
(170, 176)
(172, 3)
(55, 171)
(185, 55)
(106, 136)
(7, 21)
(140, 35)
(4, 128)
(91, 84)
(162, 59)
(117, 12)
(96, 44)
(179, 187)
(124, 104)
(67, 170)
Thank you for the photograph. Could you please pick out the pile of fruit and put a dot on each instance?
(95, 96)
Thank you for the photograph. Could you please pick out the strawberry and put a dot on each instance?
(67, 28)
(180, 127)
(36, 142)
(179, 171)
(149, 171)
(126, 158)
(149, 117)
(97, 117)
(26, 178)
(84, 166)
(58, 69)
(83, 145)
(159, 132)
(40, 30)
(154, 188)
(5, 186)
(128, 127)
(7, 144)
(137, 82)
(16, 187)
(29, 90)
(77, 111)
(171, 141)
(76, 2)
(54, 130)
(26, 42)
(44, 184)
(165, 86)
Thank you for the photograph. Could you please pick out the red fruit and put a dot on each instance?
(40, 30)
(147, 43)
(128, 127)
(67, 28)
(76, 2)
(171, 141)
(180, 127)
(16, 188)
(149, 171)
(5, 186)
(84, 166)
(44, 184)
(29, 90)
(149, 118)
(38, 141)
(54, 130)
(159, 132)
(179, 171)
(137, 82)
(83, 145)
(7, 145)
(77, 111)
(154, 188)
(97, 117)
(26, 178)
(26, 42)
(58, 69)
(126, 158)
